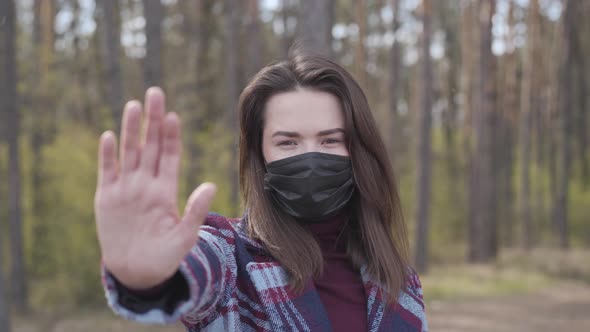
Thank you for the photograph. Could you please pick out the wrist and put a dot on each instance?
(133, 279)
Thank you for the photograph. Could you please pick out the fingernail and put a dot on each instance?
(154, 90)
(133, 104)
(107, 135)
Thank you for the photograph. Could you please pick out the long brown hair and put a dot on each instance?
(377, 236)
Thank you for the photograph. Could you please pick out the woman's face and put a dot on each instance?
(302, 121)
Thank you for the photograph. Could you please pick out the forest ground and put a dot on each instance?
(564, 306)
(539, 292)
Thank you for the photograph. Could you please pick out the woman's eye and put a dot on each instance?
(331, 141)
(287, 143)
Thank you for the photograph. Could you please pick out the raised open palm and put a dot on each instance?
(142, 237)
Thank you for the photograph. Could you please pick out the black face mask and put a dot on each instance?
(310, 186)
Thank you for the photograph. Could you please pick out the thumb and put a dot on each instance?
(196, 211)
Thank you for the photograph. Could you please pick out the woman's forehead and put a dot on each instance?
(303, 109)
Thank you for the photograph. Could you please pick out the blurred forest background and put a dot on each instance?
(484, 105)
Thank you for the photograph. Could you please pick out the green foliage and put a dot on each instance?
(213, 163)
(61, 243)
(448, 214)
(69, 237)
(579, 214)
(542, 199)
(4, 238)
(216, 158)
(461, 281)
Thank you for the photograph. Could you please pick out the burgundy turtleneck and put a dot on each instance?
(340, 287)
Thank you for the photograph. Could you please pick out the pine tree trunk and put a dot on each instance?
(508, 121)
(286, 38)
(394, 85)
(9, 97)
(495, 162)
(361, 61)
(448, 18)
(4, 307)
(152, 66)
(469, 54)
(526, 111)
(111, 52)
(255, 43)
(315, 28)
(232, 76)
(581, 115)
(7, 114)
(43, 126)
(482, 191)
(424, 145)
(554, 102)
(567, 97)
(195, 31)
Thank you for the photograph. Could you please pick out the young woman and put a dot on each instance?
(322, 245)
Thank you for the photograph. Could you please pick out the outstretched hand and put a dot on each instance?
(142, 238)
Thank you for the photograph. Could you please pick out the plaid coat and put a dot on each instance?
(236, 286)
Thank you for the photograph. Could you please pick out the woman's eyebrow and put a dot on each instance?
(330, 131)
(286, 133)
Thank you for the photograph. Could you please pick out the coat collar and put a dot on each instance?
(290, 311)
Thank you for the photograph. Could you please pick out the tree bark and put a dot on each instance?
(581, 116)
(539, 124)
(555, 91)
(361, 58)
(255, 45)
(526, 112)
(481, 241)
(424, 145)
(196, 36)
(7, 115)
(232, 79)
(43, 124)
(508, 122)
(469, 54)
(152, 66)
(448, 20)
(9, 96)
(287, 37)
(111, 52)
(315, 28)
(5, 324)
(394, 84)
(567, 96)
(582, 120)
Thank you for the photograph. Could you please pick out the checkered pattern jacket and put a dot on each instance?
(236, 286)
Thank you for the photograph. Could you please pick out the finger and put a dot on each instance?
(196, 211)
(155, 110)
(107, 158)
(169, 163)
(130, 131)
